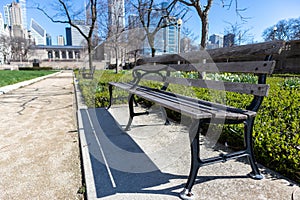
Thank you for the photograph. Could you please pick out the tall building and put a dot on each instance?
(48, 39)
(7, 14)
(133, 21)
(1, 24)
(38, 33)
(170, 36)
(24, 13)
(16, 20)
(215, 41)
(68, 36)
(16, 14)
(170, 33)
(116, 15)
(229, 40)
(77, 38)
(60, 40)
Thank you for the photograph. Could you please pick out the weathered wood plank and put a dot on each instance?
(243, 88)
(186, 105)
(235, 53)
(257, 67)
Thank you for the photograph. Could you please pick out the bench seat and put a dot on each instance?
(195, 108)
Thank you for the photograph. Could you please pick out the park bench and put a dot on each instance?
(256, 59)
(88, 74)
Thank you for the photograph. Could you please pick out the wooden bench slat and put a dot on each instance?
(243, 88)
(257, 67)
(236, 53)
(195, 108)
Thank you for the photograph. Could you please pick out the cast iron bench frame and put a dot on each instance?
(256, 59)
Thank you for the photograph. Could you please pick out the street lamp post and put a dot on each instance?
(274, 32)
(179, 23)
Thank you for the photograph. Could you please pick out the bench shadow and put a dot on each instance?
(119, 165)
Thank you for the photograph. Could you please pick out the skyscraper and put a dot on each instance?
(60, 40)
(23, 12)
(216, 41)
(7, 14)
(48, 39)
(229, 40)
(116, 16)
(38, 33)
(133, 21)
(68, 36)
(77, 38)
(15, 14)
(1, 24)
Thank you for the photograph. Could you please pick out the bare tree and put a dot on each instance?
(19, 48)
(203, 7)
(155, 16)
(67, 14)
(241, 35)
(5, 47)
(188, 40)
(283, 30)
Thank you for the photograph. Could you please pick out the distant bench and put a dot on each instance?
(88, 74)
(254, 59)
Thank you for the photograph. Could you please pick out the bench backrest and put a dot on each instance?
(256, 59)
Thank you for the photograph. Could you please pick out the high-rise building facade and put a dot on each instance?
(116, 16)
(60, 40)
(48, 40)
(68, 36)
(38, 33)
(77, 38)
(16, 14)
(15, 18)
(1, 24)
(7, 14)
(22, 4)
(215, 41)
(229, 40)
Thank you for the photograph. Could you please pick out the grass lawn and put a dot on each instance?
(11, 77)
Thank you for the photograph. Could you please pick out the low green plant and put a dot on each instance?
(291, 83)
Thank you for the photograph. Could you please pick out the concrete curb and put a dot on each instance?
(86, 161)
(10, 88)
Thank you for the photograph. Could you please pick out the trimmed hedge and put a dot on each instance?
(276, 130)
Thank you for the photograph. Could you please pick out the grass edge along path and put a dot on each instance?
(11, 77)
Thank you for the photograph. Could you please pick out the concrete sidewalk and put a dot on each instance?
(151, 161)
(39, 150)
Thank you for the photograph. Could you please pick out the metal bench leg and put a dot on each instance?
(186, 193)
(110, 88)
(165, 116)
(255, 174)
(131, 112)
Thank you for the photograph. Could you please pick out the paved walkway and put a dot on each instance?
(151, 161)
(39, 154)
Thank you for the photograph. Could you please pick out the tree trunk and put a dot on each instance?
(204, 20)
(90, 53)
(151, 43)
(116, 51)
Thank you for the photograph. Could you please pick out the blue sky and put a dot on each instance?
(261, 13)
